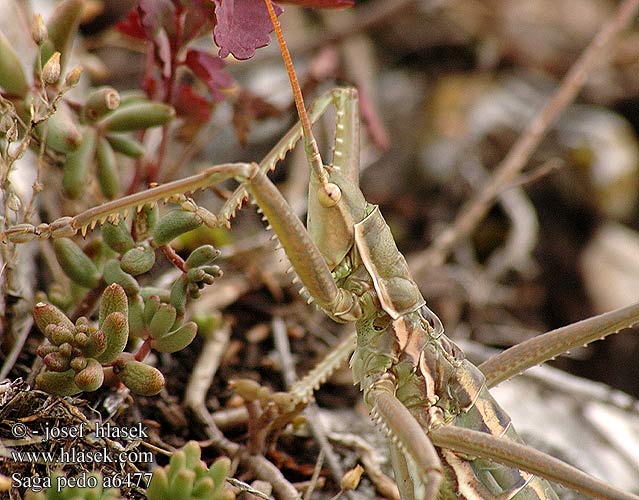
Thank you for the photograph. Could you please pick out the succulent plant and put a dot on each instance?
(187, 477)
(86, 136)
(74, 353)
(174, 223)
(89, 135)
(199, 273)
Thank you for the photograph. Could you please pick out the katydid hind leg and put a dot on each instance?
(544, 347)
(513, 454)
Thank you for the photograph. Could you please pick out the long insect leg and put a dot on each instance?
(544, 347)
(408, 436)
(304, 388)
(277, 153)
(113, 210)
(475, 443)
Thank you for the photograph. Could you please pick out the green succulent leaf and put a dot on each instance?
(115, 328)
(179, 294)
(90, 378)
(126, 145)
(76, 167)
(79, 363)
(117, 236)
(57, 362)
(46, 348)
(176, 464)
(204, 488)
(96, 343)
(151, 305)
(192, 454)
(47, 314)
(159, 487)
(176, 340)
(162, 321)
(62, 131)
(201, 256)
(136, 116)
(141, 378)
(108, 176)
(173, 224)
(219, 470)
(12, 76)
(183, 483)
(113, 300)
(138, 260)
(58, 383)
(59, 335)
(62, 28)
(99, 102)
(75, 263)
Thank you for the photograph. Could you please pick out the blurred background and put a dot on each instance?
(446, 87)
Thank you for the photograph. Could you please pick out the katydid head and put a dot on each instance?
(335, 203)
(333, 215)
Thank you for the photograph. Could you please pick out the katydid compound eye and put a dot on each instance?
(329, 195)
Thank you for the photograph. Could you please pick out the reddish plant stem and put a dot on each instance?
(173, 257)
(144, 349)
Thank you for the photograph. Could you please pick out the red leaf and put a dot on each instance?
(199, 18)
(243, 26)
(321, 4)
(155, 15)
(131, 26)
(191, 106)
(209, 69)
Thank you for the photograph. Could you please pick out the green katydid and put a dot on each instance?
(449, 438)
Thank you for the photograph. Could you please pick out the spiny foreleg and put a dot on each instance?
(308, 262)
(113, 210)
(279, 151)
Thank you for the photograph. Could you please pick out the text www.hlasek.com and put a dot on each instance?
(76, 456)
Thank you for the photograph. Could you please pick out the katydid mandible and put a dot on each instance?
(448, 436)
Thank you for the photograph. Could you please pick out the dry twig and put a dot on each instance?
(473, 211)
